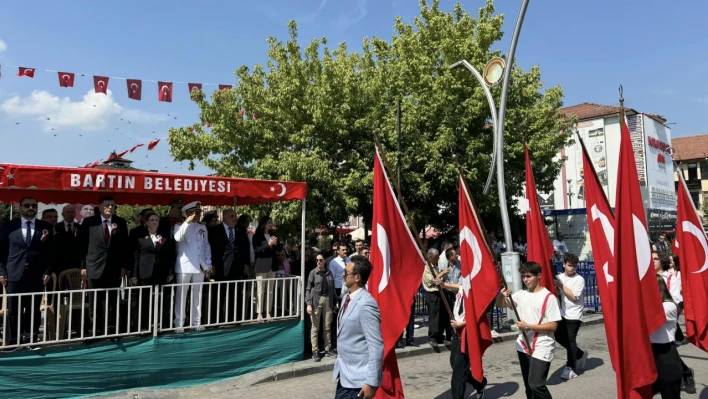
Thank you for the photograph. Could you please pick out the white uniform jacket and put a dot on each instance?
(193, 249)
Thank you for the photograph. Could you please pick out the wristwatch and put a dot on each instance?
(528, 328)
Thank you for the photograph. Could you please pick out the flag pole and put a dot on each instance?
(409, 220)
(473, 204)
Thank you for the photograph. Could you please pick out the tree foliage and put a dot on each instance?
(311, 114)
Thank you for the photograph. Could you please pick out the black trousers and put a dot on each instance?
(668, 368)
(99, 314)
(461, 374)
(566, 336)
(439, 326)
(346, 393)
(679, 334)
(25, 284)
(535, 373)
(333, 326)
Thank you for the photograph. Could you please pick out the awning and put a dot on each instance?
(82, 185)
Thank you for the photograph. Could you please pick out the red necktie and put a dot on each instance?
(346, 305)
(106, 233)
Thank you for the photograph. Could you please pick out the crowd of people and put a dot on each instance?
(176, 249)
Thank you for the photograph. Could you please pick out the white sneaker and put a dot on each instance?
(179, 331)
(568, 374)
(200, 328)
(580, 363)
(495, 334)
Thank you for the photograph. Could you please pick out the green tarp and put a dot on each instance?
(165, 361)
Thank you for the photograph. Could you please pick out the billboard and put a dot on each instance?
(660, 191)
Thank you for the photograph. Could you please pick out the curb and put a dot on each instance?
(308, 367)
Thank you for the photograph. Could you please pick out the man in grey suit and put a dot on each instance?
(361, 348)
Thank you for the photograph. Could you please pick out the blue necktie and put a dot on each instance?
(231, 238)
(28, 236)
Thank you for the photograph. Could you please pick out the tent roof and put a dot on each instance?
(51, 184)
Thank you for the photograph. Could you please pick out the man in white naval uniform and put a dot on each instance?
(193, 261)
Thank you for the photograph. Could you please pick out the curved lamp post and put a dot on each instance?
(510, 259)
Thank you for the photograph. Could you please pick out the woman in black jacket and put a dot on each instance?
(154, 262)
(266, 248)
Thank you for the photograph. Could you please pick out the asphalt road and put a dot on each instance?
(428, 377)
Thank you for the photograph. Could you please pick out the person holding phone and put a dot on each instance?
(266, 248)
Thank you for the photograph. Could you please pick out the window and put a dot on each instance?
(694, 198)
(704, 170)
(692, 171)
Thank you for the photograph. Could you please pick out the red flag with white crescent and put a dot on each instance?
(29, 72)
(637, 300)
(480, 282)
(122, 154)
(95, 163)
(540, 247)
(225, 87)
(164, 92)
(692, 248)
(100, 84)
(601, 223)
(396, 275)
(135, 89)
(152, 144)
(66, 79)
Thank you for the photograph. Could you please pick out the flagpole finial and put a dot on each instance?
(621, 93)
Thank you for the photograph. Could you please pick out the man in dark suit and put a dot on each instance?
(168, 222)
(229, 260)
(26, 263)
(139, 230)
(67, 242)
(106, 255)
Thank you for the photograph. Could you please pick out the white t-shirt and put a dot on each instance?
(667, 331)
(572, 310)
(673, 283)
(529, 306)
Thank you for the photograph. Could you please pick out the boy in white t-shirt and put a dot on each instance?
(571, 286)
(539, 316)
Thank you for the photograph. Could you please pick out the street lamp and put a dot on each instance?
(493, 70)
(570, 193)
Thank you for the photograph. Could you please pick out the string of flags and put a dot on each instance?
(133, 86)
(150, 146)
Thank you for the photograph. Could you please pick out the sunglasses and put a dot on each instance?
(28, 206)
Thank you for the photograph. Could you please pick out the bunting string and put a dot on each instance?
(101, 83)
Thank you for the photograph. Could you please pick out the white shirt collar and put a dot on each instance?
(103, 219)
(226, 227)
(32, 221)
(352, 295)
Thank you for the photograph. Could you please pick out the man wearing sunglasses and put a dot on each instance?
(25, 265)
(320, 299)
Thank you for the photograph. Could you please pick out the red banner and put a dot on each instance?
(67, 185)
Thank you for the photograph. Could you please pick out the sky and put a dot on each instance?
(588, 47)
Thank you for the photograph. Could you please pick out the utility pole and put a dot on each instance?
(398, 147)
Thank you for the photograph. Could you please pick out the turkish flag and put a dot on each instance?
(601, 223)
(540, 247)
(135, 89)
(136, 147)
(100, 84)
(193, 86)
(693, 252)
(112, 157)
(225, 87)
(122, 154)
(480, 281)
(164, 91)
(29, 72)
(152, 144)
(95, 163)
(638, 307)
(66, 79)
(396, 275)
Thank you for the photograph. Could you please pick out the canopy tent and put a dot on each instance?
(84, 185)
(51, 184)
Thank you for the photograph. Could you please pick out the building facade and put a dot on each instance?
(691, 158)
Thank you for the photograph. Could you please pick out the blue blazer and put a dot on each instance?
(359, 343)
(15, 253)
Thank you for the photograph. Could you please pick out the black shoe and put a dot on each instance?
(434, 344)
(690, 382)
(447, 342)
(316, 357)
(412, 343)
(331, 354)
(480, 393)
(399, 345)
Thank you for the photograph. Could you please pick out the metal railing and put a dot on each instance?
(50, 317)
(59, 317)
(228, 302)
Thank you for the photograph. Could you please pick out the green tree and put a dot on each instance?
(311, 115)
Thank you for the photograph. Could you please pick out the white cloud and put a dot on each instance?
(3, 46)
(92, 113)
